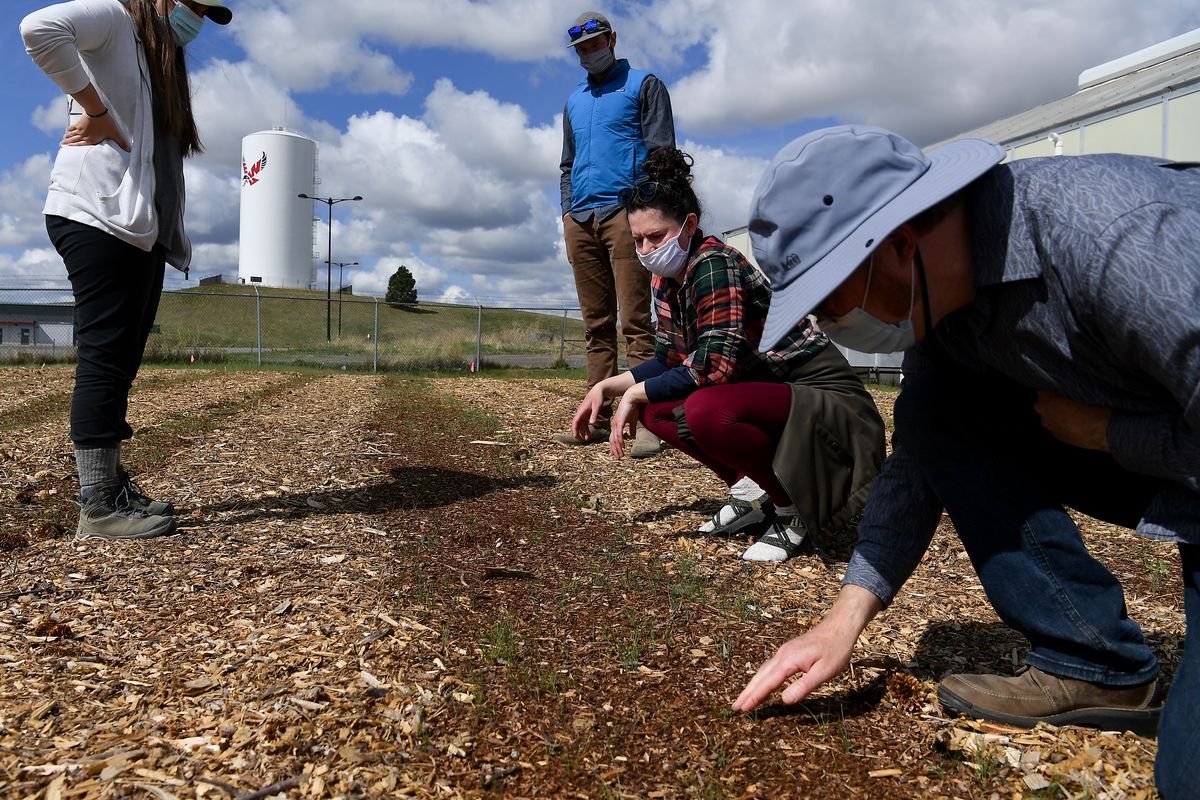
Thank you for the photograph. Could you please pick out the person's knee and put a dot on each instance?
(707, 421)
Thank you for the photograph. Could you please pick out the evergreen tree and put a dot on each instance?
(402, 288)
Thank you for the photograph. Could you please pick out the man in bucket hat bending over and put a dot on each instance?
(1050, 314)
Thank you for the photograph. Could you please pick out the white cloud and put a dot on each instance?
(51, 119)
(22, 193)
(38, 266)
(927, 69)
(455, 294)
(308, 48)
(724, 182)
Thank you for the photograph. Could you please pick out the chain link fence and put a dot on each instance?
(249, 325)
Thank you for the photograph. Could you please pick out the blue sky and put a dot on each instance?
(445, 116)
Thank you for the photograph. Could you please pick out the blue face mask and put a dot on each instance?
(185, 24)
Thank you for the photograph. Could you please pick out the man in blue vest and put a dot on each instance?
(612, 121)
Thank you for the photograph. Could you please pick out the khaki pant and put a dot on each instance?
(609, 276)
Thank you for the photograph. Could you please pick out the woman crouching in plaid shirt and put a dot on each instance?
(794, 421)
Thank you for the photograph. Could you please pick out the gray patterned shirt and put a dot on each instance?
(1087, 273)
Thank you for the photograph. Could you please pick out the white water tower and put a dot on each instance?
(276, 246)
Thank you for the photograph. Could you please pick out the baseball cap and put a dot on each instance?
(601, 28)
(217, 11)
(829, 198)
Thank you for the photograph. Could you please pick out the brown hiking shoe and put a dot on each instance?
(1033, 696)
(597, 434)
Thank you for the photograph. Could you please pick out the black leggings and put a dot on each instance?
(117, 287)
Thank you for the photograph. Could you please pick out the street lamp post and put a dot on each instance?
(341, 287)
(331, 202)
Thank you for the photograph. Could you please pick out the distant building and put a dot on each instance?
(1146, 103)
(36, 325)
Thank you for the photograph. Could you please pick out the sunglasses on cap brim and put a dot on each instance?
(591, 26)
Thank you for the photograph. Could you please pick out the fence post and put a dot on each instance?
(479, 339)
(375, 363)
(562, 341)
(258, 321)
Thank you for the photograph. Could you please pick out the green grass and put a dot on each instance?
(207, 321)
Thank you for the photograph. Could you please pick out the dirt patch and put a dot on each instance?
(402, 588)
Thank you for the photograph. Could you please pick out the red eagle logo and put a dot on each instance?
(250, 175)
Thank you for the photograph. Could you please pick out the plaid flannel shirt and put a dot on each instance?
(710, 323)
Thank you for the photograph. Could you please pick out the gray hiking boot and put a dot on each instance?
(139, 499)
(108, 514)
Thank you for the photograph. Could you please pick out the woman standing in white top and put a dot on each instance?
(114, 213)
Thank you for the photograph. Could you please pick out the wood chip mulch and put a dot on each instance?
(403, 588)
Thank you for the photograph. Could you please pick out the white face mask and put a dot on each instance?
(860, 331)
(669, 258)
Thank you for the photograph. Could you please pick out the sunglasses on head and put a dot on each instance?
(644, 192)
(591, 26)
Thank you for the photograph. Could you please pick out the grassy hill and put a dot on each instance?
(222, 320)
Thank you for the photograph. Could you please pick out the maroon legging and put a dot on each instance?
(734, 429)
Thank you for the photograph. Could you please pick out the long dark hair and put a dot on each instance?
(167, 64)
(666, 187)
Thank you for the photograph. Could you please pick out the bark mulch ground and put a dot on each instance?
(400, 587)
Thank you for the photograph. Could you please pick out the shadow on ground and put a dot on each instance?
(407, 488)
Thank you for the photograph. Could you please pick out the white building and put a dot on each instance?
(36, 325)
(276, 244)
(1146, 103)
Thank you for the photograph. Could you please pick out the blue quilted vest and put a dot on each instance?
(606, 122)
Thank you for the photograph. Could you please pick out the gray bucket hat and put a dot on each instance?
(602, 27)
(828, 199)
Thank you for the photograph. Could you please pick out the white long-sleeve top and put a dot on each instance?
(95, 41)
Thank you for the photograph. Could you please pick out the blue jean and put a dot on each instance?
(1177, 770)
(1004, 482)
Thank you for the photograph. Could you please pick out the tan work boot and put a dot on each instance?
(596, 434)
(1033, 696)
(645, 444)
(108, 514)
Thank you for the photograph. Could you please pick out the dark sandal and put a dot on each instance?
(749, 513)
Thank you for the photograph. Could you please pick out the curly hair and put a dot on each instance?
(666, 187)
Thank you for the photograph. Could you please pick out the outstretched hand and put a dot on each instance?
(820, 654)
(626, 415)
(588, 412)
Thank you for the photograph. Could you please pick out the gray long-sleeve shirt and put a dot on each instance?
(1087, 273)
(658, 130)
